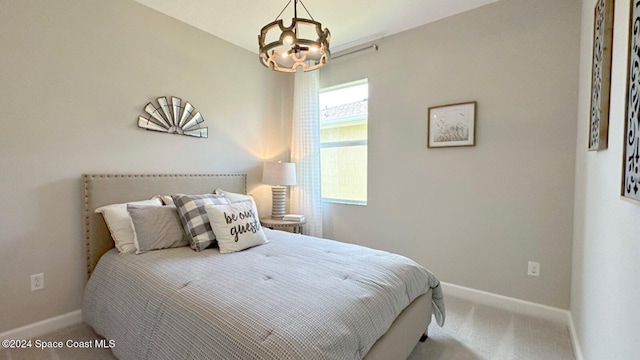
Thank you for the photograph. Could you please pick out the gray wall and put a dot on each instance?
(473, 215)
(606, 244)
(74, 76)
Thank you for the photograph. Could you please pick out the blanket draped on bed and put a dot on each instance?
(293, 298)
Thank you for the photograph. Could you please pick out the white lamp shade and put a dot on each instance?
(279, 173)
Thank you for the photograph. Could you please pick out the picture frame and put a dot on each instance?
(452, 125)
(601, 74)
(630, 188)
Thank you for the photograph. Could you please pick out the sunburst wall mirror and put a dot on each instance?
(173, 118)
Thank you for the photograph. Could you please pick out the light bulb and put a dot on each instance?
(288, 40)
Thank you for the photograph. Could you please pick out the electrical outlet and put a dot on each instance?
(534, 268)
(37, 282)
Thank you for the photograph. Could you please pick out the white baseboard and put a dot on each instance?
(43, 327)
(507, 303)
(518, 306)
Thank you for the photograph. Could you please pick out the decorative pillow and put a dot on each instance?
(156, 227)
(193, 217)
(166, 199)
(119, 223)
(237, 226)
(233, 197)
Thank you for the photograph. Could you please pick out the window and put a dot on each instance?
(343, 142)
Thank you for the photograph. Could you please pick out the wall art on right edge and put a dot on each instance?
(631, 144)
(601, 74)
(452, 125)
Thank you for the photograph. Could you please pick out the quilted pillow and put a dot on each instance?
(156, 227)
(119, 223)
(193, 217)
(237, 226)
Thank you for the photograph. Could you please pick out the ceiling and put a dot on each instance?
(351, 22)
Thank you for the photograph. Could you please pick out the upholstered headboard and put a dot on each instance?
(100, 190)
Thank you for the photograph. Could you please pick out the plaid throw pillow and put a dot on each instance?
(194, 219)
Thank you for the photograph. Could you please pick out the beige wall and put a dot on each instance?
(473, 215)
(74, 76)
(606, 245)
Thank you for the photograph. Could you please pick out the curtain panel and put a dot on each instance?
(306, 197)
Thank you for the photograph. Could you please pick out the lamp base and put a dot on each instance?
(278, 196)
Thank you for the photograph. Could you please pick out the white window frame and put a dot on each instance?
(335, 144)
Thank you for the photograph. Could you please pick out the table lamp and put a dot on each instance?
(279, 175)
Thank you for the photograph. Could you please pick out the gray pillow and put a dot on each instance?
(156, 227)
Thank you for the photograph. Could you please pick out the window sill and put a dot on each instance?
(344, 202)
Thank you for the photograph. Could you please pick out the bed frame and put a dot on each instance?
(99, 190)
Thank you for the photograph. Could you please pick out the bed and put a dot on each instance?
(178, 303)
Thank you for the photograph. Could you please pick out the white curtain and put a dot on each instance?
(305, 151)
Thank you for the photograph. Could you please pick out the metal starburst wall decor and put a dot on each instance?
(173, 118)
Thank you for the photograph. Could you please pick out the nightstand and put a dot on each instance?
(292, 226)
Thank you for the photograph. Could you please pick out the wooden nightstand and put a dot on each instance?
(292, 226)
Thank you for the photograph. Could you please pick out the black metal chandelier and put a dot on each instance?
(303, 44)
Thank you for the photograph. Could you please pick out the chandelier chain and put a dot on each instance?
(305, 9)
(295, 10)
(283, 9)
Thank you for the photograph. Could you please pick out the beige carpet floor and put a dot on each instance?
(471, 332)
(474, 332)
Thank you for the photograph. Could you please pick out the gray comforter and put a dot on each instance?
(293, 298)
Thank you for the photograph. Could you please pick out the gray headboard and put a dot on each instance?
(100, 190)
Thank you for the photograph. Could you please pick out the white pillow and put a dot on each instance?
(233, 197)
(166, 199)
(237, 226)
(120, 225)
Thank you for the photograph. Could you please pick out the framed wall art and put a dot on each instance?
(452, 125)
(601, 75)
(631, 143)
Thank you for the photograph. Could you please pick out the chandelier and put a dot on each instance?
(302, 44)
